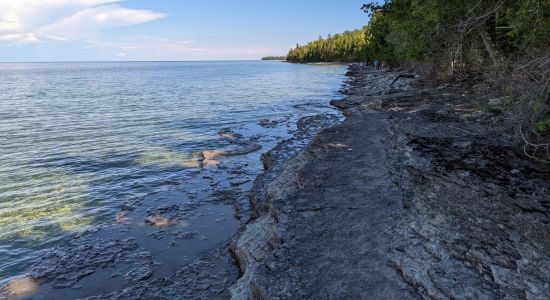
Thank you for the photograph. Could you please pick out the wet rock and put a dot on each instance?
(158, 221)
(229, 134)
(143, 254)
(186, 235)
(138, 274)
(238, 182)
(19, 287)
(304, 248)
(343, 104)
(209, 156)
(122, 216)
(268, 123)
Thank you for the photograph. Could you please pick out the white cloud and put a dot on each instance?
(88, 22)
(156, 48)
(19, 37)
(22, 15)
(27, 21)
(61, 23)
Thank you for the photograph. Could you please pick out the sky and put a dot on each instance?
(112, 30)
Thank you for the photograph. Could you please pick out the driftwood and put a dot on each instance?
(401, 76)
(535, 80)
(540, 152)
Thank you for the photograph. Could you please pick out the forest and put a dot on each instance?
(502, 43)
(274, 58)
(351, 46)
(457, 34)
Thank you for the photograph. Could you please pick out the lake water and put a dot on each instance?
(80, 140)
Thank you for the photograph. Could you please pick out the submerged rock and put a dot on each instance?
(139, 273)
(19, 287)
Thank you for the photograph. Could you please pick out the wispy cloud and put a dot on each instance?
(156, 48)
(18, 37)
(29, 21)
(81, 24)
(88, 22)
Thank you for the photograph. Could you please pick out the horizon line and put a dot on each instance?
(104, 61)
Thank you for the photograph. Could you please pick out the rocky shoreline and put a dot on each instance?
(420, 193)
(174, 244)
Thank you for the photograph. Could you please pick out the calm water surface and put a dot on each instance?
(78, 140)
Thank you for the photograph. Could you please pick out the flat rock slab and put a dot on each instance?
(418, 194)
(328, 234)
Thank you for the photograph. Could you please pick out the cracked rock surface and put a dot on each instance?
(418, 194)
(328, 225)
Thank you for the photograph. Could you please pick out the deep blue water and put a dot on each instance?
(78, 140)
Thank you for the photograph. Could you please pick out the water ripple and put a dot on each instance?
(78, 140)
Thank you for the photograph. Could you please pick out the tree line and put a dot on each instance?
(274, 58)
(504, 43)
(347, 47)
(452, 34)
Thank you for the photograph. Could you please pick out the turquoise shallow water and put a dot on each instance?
(78, 140)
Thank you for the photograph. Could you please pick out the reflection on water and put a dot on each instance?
(78, 140)
(52, 201)
(165, 158)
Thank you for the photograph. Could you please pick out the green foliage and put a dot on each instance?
(458, 34)
(274, 58)
(525, 24)
(346, 47)
(543, 125)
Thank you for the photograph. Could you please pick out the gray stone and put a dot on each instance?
(332, 225)
(498, 101)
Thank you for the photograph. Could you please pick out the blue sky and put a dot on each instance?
(89, 30)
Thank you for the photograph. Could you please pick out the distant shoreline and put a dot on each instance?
(280, 58)
(127, 61)
(328, 63)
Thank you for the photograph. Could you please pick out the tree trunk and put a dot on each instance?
(489, 46)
